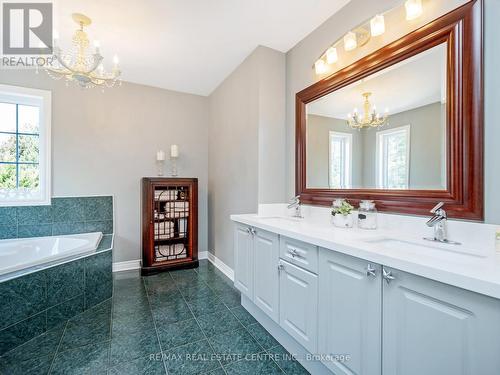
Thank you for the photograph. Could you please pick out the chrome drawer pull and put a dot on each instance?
(370, 271)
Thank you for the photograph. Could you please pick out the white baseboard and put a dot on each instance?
(223, 267)
(127, 265)
(136, 264)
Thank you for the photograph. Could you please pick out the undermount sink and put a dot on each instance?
(423, 247)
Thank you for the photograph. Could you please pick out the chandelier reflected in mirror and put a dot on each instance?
(370, 117)
(79, 64)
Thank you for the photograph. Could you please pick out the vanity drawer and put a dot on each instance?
(299, 253)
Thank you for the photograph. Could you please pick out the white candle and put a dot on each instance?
(160, 155)
(174, 151)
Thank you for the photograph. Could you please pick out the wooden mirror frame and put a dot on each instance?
(462, 30)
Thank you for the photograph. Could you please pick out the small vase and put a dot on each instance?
(343, 221)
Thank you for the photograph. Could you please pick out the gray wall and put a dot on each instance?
(492, 100)
(246, 145)
(103, 143)
(300, 75)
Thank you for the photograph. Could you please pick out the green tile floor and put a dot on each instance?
(182, 322)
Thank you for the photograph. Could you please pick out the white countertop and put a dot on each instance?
(474, 265)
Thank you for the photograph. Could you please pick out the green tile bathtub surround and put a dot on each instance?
(218, 322)
(64, 311)
(34, 215)
(92, 326)
(42, 345)
(34, 230)
(65, 281)
(87, 360)
(8, 216)
(104, 226)
(67, 210)
(105, 243)
(68, 228)
(180, 333)
(22, 297)
(258, 365)
(243, 316)
(57, 293)
(33, 357)
(22, 332)
(126, 348)
(286, 361)
(119, 336)
(8, 231)
(67, 215)
(194, 358)
(98, 278)
(98, 208)
(234, 345)
(264, 338)
(140, 366)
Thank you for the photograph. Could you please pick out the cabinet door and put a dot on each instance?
(350, 315)
(266, 283)
(243, 262)
(299, 304)
(434, 329)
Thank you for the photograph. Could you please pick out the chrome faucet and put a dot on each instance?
(440, 224)
(295, 203)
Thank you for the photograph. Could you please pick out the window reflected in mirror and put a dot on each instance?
(386, 131)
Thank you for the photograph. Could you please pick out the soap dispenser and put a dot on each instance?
(367, 215)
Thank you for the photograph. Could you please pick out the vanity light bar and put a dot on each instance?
(413, 9)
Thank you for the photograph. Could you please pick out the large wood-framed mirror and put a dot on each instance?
(429, 147)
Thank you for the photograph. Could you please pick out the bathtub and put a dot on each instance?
(25, 253)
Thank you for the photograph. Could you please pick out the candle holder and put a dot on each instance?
(160, 164)
(173, 167)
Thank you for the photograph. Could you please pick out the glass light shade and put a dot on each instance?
(331, 55)
(320, 66)
(350, 41)
(413, 9)
(377, 25)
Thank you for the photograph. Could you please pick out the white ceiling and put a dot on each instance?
(412, 83)
(191, 45)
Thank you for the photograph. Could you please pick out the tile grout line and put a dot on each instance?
(57, 349)
(198, 323)
(154, 323)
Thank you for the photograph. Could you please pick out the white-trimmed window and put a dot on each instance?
(25, 116)
(340, 160)
(393, 158)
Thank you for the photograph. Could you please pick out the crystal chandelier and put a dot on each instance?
(370, 118)
(80, 65)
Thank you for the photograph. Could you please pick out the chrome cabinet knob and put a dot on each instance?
(370, 271)
(252, 231)
(281, 267)
(293, 253)
(387, 275)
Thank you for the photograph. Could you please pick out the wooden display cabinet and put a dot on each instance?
(169, 224)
